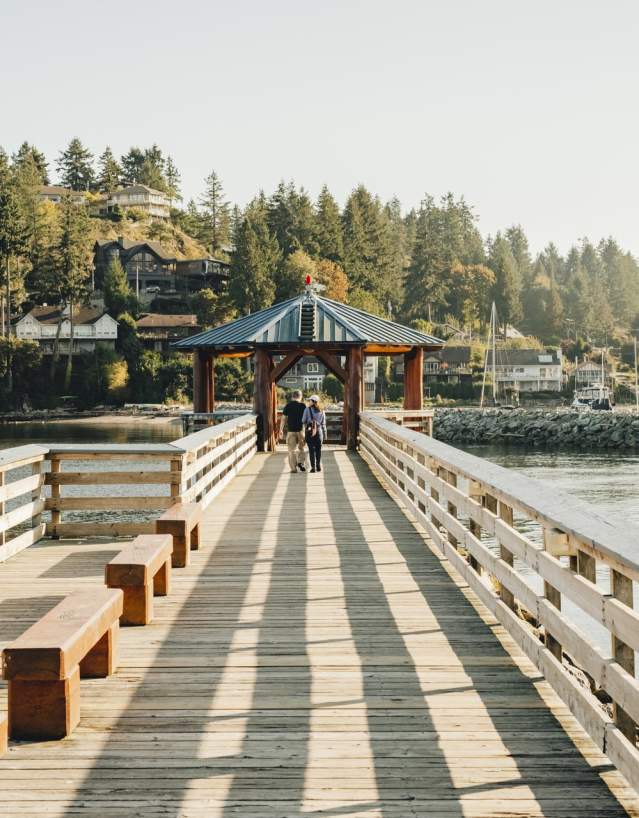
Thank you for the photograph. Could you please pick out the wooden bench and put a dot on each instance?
(4, 734)
(182, 522)
(141, 570)
(43, 666)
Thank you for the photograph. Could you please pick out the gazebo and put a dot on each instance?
(277, 337)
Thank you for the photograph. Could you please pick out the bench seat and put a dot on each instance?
(182, 522)
(43, 666)
(141, 569)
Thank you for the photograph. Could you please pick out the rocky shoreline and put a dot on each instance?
(538, 428)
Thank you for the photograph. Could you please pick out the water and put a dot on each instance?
(115, 431)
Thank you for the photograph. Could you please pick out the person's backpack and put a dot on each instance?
(311, 427)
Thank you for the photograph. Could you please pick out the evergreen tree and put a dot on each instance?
(152, 170)
(39, 218)
(75, 166)
(69, 267)
(304, 227)
(507, 289)
(131, 164)
(281, 218)
(255, 259)
(27, 153)
(118, 297)
(173, 179)
(329, 227)
(14, 235)
(110, 172)
(445, 235)
(216, 211)
(521, 253)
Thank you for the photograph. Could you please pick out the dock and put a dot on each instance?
(337, 645)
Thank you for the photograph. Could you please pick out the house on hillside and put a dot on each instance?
(157, 331)
(452, 364)
(45, 324)
(528, 370)
(146, 263)
(55, 194)
(154, 203)
(589, 372)
(194, 274)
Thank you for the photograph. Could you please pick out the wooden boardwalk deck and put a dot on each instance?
(316, 658)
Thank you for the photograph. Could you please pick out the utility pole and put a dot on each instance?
(636, 381)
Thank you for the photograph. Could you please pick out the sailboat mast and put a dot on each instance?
(493, 324)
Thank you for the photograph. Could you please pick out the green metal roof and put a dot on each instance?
(334, 323)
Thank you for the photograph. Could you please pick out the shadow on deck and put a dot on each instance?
(315, 659)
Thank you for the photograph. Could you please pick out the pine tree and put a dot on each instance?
(281, 218)
(131, 164)
(304, 227)
(254, 261)
(329, 227)
(40, 220)
(75, 166)
(110, 172)
(521, 253)
(173, 179)
(14, 235)
(118, 297)
(507, 289)
(69, 267)
(29, 153)
(216, 212)
(152, 171)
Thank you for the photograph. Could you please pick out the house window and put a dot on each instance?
(312, 368)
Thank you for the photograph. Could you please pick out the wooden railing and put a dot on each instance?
(213, 456)
(474, 512)
(21, 501)
(114, 490)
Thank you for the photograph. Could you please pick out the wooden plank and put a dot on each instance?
(89, 478)
(113, 503)
(96, 528)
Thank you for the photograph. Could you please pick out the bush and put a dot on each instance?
(232, 381)
(134, 214)
(333, 387)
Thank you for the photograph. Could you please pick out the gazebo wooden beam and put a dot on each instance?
(332, 364)
(414, 379)
(203, 381)
(354, 394)
(284, 365)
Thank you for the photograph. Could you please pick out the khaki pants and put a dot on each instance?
(296, 451)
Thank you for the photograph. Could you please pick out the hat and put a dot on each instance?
(314, 398)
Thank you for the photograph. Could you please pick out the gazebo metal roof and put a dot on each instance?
(335, 323)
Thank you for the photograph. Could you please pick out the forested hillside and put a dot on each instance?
(428, 263)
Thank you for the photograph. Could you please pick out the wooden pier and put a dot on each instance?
(349, 643)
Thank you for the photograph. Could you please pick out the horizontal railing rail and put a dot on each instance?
(523, 548)
(116, 490)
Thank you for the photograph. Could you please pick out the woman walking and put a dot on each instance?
(314, 421)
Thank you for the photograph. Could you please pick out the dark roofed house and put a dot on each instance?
(158, 331)
(55, 194)
(452, 364)
(146, 263)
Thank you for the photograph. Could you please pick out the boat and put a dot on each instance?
(594, 397)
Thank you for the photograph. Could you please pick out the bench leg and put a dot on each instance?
(44, 710)
(4, 735)
(180, 557)
(102, 659)
(162, 580)
(195, 538)
(138, 604)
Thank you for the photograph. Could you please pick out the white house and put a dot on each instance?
(528, 370)
(141, 197)
(90, 325)
(589, 372)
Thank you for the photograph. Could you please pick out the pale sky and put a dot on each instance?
(530, 110)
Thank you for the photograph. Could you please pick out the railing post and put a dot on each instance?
(36, 494)
(506, 514)
(475, 492)
(3, 534)
(451, 479)
(176, 487)
(552, 595)
(56, 514)
(621, 587)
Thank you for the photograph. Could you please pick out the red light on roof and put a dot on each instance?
(308, 280)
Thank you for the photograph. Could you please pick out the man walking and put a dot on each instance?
(292, 416)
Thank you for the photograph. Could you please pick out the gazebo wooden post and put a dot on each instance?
(414, 379)
(354, 394)
(199, 382)
(209, 372)
(263, 400)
